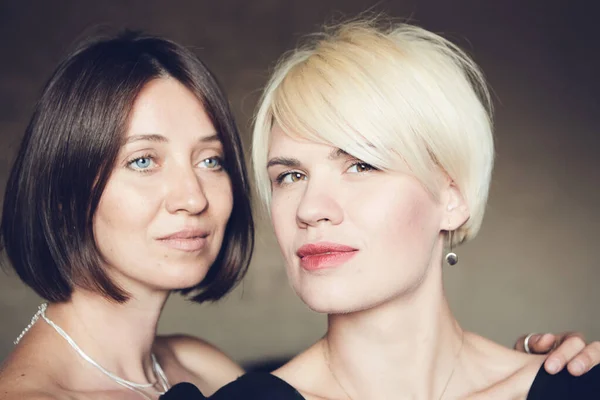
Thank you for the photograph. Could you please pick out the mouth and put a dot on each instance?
(188, 240)
(316, 256)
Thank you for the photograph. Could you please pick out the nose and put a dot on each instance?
(185, 192)
(319, 204)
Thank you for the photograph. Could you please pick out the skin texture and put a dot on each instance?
(350, 204)
(168, 173)
(161, 184)
(391, 333)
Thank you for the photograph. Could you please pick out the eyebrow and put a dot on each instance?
(163, 139)
(284, 161)
(338, 153)
(295, 163)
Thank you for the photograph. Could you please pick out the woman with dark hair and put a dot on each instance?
(130, 183)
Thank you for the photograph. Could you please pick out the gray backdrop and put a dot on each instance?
(534, 265)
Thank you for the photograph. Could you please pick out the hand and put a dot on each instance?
(562, 348)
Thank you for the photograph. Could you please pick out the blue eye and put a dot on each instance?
(141, 163)
(212, 163)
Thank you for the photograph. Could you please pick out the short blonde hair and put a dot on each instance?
(398, 98)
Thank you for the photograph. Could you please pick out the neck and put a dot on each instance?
(405, 348)
(119, 337)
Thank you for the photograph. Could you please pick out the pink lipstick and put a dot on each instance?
(315, 256)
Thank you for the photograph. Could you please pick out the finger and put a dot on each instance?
(562, 337)
(567, 350)
(520, 343)
(588, 358)
(544, 344)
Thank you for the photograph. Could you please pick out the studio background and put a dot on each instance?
(535, 264)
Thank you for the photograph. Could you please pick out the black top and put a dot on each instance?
(264, 386)
(257, 385)
(565, 386)
(183, 390)
(253, 385)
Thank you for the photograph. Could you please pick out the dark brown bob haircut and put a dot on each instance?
(67, 156)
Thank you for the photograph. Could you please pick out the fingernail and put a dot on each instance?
(535, 338)
(577, 367)
(552, 366)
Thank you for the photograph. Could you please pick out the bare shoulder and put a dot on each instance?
(515, 386)
(305, 373)
(21, 395)
(19, 379)
(22, 387)
(508, 374)
(197, 354)
(200, 358)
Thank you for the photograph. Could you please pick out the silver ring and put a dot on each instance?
(526, 343)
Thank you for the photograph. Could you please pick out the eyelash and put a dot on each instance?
(279, 179)
(130, 163)
(368, 167)
(145, 156)
(283, 175)
(219, 160)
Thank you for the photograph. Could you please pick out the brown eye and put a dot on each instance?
(359, 167)
(362, 167)
(296, 176)
(290, 177)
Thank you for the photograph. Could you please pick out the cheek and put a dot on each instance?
(123, 209)
(400, 217)
(283, 218)
(220, 199)
(277, 219)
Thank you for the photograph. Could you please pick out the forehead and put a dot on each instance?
(167, 106)
(280, 141)
(284, 144)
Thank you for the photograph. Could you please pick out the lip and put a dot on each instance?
(189, 240)
(315, 256)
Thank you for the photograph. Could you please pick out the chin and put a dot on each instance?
(334, 307)
(344, 296)
(331, 301)
(183, 277)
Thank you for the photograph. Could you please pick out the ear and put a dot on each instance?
(456, 211)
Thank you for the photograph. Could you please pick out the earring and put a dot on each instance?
(451, 257)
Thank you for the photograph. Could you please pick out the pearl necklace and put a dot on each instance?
(136, 387)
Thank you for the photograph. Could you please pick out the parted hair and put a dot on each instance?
(68, 152)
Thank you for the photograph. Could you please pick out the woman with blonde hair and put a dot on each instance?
(373, 151)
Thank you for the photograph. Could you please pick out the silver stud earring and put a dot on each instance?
(451, 257)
